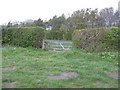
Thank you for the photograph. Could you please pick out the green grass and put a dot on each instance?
(33, 66)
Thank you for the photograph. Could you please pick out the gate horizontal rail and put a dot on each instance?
(58, 42)
(57, 45)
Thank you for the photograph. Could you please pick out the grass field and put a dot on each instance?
(30, 68)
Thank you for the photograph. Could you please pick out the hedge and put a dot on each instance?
(58, 35)
(23, 36)
(113, 36)
(54, 34)
(97, 39)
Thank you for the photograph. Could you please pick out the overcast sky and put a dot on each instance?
(21, 10)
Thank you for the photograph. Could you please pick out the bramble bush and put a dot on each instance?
(23, 36)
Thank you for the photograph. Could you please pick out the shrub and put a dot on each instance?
(109, 55)
(113, 37)
(23, 36)
(54, 34)
(68, 35)
(95, 40)
(59, 35)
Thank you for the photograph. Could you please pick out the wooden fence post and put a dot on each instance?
(43, 46)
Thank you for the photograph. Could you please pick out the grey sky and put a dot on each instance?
(20, 10)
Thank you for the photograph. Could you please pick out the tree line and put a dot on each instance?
(80, 19)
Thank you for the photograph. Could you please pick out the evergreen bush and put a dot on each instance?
(23, 36)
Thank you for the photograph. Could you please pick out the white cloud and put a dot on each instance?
(21, 10)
